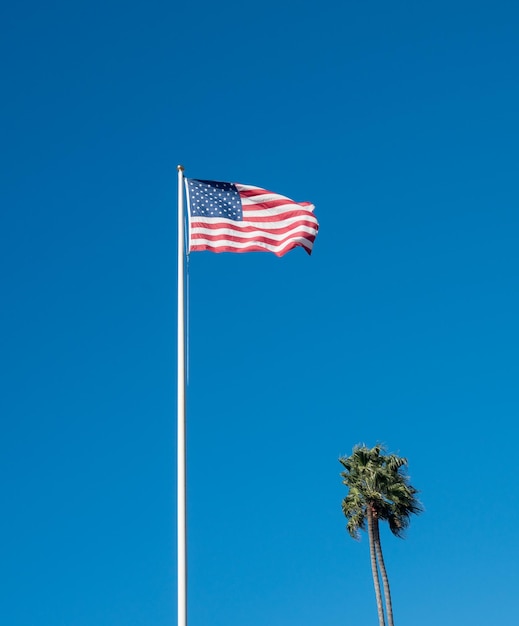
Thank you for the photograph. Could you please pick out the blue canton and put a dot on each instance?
(208, 198)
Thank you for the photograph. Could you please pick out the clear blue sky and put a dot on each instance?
(399, 121)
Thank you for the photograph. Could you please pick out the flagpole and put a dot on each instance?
(181, 416)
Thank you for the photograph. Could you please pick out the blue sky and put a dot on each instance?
(399, 122)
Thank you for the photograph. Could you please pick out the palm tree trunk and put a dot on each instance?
(374, 569)
(383, 572)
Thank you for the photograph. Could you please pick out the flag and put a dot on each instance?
(229, 217)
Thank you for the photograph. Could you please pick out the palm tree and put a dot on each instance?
(379, 490)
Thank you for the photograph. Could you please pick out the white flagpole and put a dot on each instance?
(181, 417)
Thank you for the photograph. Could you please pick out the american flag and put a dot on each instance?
(229, 217)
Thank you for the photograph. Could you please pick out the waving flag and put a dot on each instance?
(229, 217)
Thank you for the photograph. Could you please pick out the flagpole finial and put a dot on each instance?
(180, 168)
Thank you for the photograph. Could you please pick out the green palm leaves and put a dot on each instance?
(378, 490)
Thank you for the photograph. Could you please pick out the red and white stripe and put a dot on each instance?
(271, 223)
